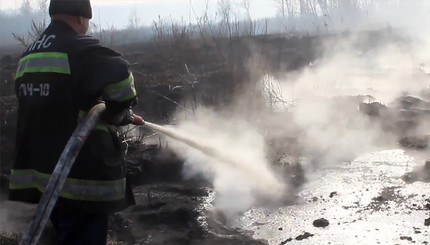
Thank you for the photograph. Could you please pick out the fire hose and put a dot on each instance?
(59, 175)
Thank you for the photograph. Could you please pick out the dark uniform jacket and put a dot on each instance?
(59, 78)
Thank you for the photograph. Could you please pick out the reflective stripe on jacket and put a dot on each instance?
(76, 189)
(43, 62)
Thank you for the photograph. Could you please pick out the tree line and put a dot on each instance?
(293, 16)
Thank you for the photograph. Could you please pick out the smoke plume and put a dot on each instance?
(238, 168)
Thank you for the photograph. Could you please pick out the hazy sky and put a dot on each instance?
(117, 13)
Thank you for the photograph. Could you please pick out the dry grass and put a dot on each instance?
(9, 238)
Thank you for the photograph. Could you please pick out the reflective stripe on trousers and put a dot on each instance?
(76, 189)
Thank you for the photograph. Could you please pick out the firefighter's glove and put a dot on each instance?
(125, 118)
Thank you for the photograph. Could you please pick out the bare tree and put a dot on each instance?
(203, 21)
(36, 30)
(288, 9)
(225, 10)
(282, 7)
(25, 8)
(42, 6)
(37, 26)
(246, 5)
(133, 20)
(42, 9)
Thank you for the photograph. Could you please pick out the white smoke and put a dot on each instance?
(328, 92)
(15, 216)
(239, 169)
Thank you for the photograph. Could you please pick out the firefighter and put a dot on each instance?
(59, 78)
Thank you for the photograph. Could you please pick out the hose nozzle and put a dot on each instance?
(138, 120)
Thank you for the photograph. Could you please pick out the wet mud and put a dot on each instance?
(365, 201)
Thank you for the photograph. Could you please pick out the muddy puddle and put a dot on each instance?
(360, 202)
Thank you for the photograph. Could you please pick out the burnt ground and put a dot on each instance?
(168, 210)
(172, 210)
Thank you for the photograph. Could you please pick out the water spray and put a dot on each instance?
(211, 152)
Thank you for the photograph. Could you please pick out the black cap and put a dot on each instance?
(72, 7)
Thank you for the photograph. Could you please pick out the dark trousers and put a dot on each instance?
(75, 228)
